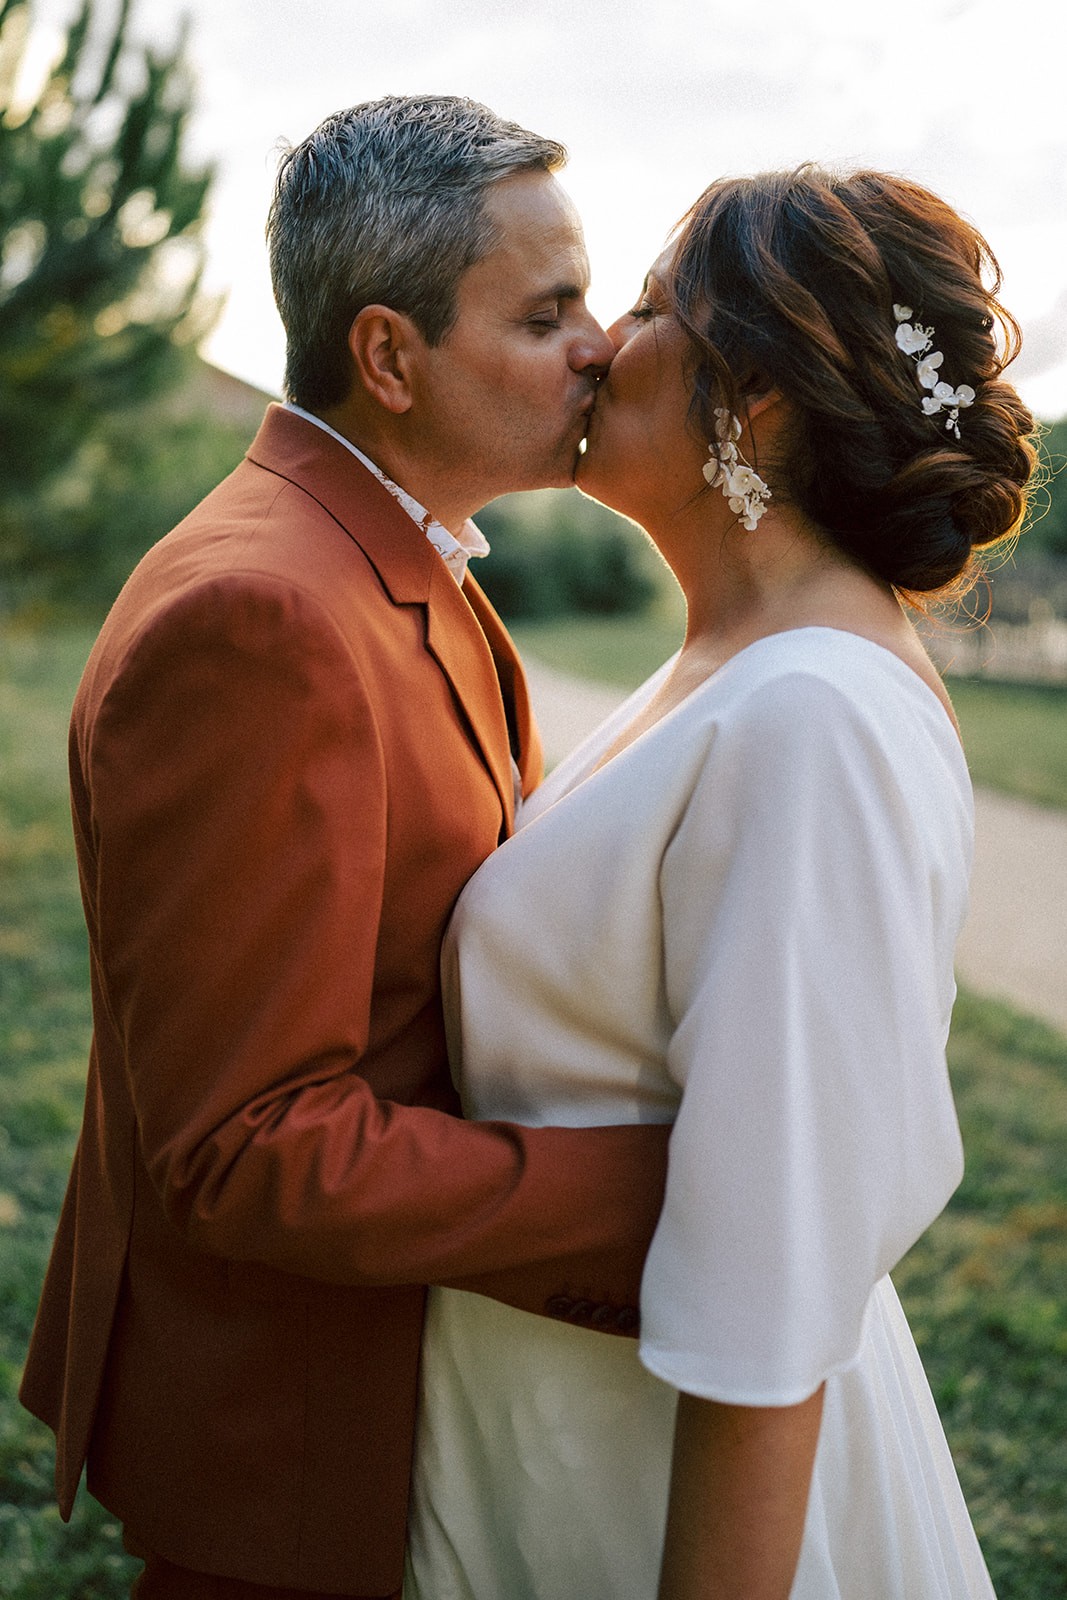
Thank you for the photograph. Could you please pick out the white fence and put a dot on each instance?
(1032, 652)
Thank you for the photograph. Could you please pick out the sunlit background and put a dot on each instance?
(653, 100)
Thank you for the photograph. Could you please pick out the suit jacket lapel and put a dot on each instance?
(455, 637)
(513, 685)
(409, 568)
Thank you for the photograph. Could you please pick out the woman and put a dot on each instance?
(735, 907)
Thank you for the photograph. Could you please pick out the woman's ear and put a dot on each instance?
(381, 341)
(759, 402)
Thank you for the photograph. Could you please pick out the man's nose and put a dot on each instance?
(593, 349)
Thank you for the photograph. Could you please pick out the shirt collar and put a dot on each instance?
(455, 550)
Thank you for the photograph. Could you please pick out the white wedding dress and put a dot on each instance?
(743, 923)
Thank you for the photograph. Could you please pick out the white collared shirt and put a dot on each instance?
(455, 550)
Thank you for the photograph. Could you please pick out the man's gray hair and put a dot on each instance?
(385, 204)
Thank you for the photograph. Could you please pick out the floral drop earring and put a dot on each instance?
(743, 487)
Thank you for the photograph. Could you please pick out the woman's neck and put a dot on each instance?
(741, 586)
(777, 578)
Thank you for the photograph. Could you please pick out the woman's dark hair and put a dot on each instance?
(788, 281)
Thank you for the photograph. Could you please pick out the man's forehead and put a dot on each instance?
(538, 232)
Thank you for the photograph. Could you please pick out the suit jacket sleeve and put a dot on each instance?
(234, 791)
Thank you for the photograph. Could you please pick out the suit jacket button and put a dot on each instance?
(559, 1306)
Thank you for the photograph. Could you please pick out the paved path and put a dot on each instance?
(1014, 945)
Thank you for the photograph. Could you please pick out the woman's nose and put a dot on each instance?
(619, 332)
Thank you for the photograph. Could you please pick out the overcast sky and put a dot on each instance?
(653, 100)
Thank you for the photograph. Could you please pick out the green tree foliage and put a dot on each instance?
(554, 552)
(99, 256)
(131, 480)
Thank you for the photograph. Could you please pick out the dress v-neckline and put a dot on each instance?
(596, 759)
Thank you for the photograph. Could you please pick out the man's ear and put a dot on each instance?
(381, 342)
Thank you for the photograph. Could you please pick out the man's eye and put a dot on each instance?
(548, 319)
(642, 312)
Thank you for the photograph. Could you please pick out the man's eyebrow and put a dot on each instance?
(558, 291)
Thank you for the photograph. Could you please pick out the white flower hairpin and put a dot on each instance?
(743, 487)
(916, 341)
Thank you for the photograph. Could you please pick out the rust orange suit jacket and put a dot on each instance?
(288, 753)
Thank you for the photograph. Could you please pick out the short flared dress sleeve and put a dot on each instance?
(811, 896)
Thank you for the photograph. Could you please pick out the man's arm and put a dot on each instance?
(240, 817)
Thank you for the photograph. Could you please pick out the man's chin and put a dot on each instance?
(577, 460)
(588, 480)
(558, 472)
(583, 470)
(580, 464)
(563, 476)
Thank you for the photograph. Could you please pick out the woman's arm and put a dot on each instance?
(739, 1494)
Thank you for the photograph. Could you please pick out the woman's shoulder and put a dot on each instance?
(823, 672)
(836, 656)
(824, 709)
(804, 701)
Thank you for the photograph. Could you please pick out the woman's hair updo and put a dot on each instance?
(788, 281)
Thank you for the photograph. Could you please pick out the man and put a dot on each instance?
(295, 739)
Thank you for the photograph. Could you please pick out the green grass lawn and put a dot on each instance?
(983, 1288)
(616, 650)
(44, 1032)
(1015, 735)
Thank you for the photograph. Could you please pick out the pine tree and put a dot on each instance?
(99, 254)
